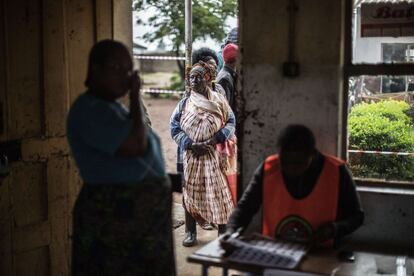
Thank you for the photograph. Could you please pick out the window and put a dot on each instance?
(378, 65)
(397, 53)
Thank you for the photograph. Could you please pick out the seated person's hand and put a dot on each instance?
(226, 235)
(199, 149)
(225, 243)
(324, 233)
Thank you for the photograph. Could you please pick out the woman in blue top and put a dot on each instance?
(122, 217)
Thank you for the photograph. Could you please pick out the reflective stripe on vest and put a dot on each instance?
(288, 217)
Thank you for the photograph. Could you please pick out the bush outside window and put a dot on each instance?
(383, 126)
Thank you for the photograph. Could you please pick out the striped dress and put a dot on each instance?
(206, 193)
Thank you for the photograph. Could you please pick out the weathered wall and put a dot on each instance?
(389, 221)
(273, 101)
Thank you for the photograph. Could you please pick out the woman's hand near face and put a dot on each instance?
(136, 142)
(134, 94)
(135, 85)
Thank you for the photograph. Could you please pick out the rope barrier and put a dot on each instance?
(161, 91)
(382, 152)
(159, 57)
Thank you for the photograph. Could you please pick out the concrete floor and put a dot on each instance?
(183, 267)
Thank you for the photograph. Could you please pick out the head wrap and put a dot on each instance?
(209, 70)
(198, 68)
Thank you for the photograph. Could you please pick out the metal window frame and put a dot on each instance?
(354, 70)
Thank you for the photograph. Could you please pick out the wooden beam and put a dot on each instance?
(55, 68)
(3, 73)
(24, 71)
(346, 59)
(80, 39)
(379, 69)
(58, 181)
(104, 19)
(122, 20)
(31, 236)
(35, 150)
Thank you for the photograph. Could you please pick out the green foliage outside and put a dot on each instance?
(168, 21)
(382, 126)
(177, 83)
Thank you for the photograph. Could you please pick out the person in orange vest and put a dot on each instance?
(306, 196)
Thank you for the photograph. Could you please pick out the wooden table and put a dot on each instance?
(317, 262)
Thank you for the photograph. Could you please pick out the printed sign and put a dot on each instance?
(387, 19)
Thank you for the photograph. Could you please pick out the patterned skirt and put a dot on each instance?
(206, 194)
(123, 230)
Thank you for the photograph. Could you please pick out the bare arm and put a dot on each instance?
(136, 142)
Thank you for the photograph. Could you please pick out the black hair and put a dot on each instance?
(297, 138)
(100, 53)
(204, 54)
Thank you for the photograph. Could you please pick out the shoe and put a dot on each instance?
(190, 239)
(207, 226)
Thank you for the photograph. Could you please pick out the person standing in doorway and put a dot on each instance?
(202, 125)
(210, 58)
(232, 37)
(227, 77)
(122, 217)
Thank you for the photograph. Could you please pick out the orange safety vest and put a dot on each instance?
(297, 219)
